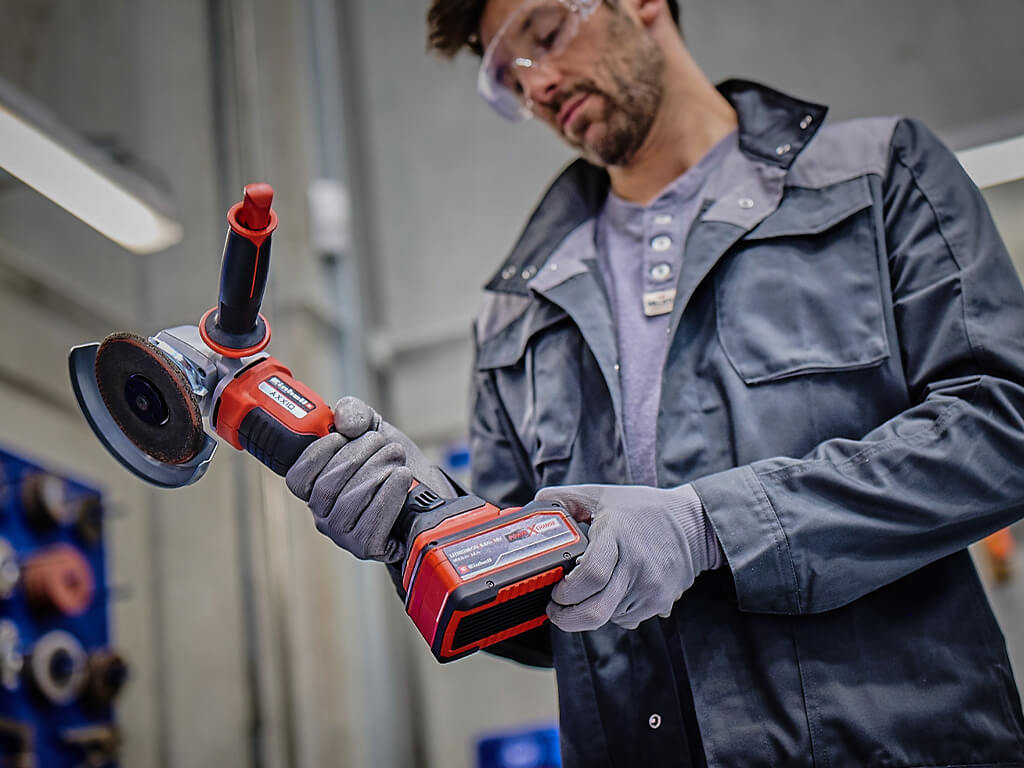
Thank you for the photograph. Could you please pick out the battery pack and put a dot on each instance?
(486, 574)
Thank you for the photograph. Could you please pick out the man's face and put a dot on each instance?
(602, 91)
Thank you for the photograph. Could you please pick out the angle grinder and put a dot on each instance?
(480, 576)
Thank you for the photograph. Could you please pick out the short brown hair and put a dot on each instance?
(453, 24)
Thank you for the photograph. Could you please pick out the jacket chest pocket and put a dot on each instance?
(802, 292)
(537, 369)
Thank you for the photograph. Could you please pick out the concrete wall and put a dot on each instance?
(246, 630)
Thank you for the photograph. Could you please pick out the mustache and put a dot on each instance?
(560, 98)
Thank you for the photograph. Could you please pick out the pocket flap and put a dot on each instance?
(810, 211)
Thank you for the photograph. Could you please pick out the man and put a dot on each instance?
(779, 366)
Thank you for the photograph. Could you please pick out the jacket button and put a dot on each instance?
(806, 122)
(745, 203)
(654, 721)
(509, 272)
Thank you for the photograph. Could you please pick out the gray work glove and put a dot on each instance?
(357, 478)
(647, 545)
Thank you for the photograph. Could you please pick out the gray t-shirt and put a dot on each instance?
(640, 255)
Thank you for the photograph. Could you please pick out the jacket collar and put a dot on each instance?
(773, 129)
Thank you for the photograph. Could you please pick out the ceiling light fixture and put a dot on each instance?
(61, 165)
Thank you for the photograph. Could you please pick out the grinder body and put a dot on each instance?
(474, 574)
(264, 411)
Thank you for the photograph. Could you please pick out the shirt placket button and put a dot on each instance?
(660, 272)
(661, 243)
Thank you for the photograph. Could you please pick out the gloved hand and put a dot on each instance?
(356, 481)
(647, 545)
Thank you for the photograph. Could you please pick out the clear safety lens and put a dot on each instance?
(537, 30)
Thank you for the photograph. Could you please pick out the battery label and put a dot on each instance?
(287, 397)
(508, 544)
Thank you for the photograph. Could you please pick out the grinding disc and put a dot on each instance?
(149, 398)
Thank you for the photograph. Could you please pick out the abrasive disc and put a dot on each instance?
(149, 398)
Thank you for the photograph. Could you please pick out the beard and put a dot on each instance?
(634, 69)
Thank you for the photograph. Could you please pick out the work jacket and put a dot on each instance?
(844, 386)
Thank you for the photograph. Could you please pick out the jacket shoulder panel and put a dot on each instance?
(844, 151)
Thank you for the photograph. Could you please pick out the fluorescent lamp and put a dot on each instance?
(62, 166)
(993, 164)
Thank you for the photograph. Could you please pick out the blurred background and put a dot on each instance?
(250, 639)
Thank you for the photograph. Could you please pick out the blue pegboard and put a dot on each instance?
(53, 726)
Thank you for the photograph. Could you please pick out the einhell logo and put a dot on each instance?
(291, 392)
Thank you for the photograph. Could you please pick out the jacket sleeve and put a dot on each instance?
(500, 473)
(811, 534)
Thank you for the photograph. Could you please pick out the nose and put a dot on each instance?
(540, 82)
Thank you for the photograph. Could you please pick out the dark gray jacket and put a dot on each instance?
(845, 388)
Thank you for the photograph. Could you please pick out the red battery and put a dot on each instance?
(485, 575)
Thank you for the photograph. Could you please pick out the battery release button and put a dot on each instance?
(424, 500)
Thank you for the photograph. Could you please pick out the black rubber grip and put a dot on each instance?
(272, 442)
(243, 278)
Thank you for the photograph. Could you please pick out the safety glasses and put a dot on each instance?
(536, 31)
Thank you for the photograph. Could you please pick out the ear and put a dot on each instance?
(650, 10)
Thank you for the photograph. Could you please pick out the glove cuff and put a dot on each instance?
(685, 509)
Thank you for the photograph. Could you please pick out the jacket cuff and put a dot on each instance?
(687, 512)
(753, 540)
